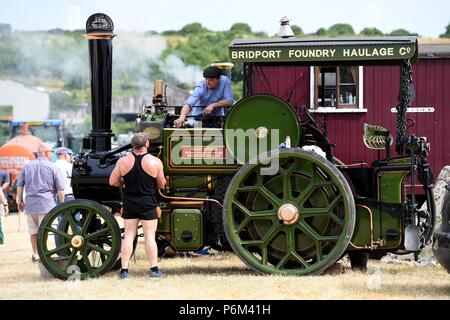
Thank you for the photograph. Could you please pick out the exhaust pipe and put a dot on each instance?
(91, 170)
(99, 32)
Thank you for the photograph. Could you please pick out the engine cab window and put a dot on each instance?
(326, 87)
(336, 88)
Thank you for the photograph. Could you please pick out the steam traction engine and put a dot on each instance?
(285, 211)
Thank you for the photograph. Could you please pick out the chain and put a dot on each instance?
(404, 102)
(247, 79)
(324, 124)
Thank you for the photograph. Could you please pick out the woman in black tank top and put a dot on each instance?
(140, 199)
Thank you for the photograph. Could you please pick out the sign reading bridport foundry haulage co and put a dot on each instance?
(322, 53)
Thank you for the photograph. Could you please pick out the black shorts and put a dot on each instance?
(148, 215)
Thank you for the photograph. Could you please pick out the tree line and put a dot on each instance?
(58, 59)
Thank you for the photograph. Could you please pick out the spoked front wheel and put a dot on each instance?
(78, 239)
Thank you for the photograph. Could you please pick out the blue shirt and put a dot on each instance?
(203, 96)
(41, 179)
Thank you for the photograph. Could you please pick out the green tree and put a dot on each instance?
(202, 49)
(240, 27)
(9, 51)
(260, 34)
(321, 32)
(169, 33)
(447, 32)
(121, 126)
(57, 31)
(340, 29)
(61, 100)
(73, 83)
(193, 28)
(371, 32)
(297, 30)
(400, 32)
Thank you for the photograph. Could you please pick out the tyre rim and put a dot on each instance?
(298, 221)
(78, 241)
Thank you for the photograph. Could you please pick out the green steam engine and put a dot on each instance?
(248, 182)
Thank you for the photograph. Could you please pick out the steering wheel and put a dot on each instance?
(202, 117)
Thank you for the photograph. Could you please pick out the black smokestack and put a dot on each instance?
(99, 32)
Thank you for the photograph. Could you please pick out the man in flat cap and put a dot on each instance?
(210, 96)
(142, 175)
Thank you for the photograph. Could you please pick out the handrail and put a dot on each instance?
(186, 198)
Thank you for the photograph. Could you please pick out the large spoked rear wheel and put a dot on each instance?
(298, 221)
(79, 239)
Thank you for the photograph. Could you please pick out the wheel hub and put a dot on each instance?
(77, 241)
(288, 213)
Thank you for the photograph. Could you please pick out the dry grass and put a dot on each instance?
(429, 40)
(221, 276)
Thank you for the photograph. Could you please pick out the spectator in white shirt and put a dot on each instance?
(64, 163)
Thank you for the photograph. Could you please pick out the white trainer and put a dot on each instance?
(35, 257)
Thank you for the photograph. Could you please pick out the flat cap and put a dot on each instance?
(212, 72)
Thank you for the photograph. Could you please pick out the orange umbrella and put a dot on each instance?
(13, 157)
(29, 142)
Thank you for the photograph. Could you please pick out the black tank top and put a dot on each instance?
(140, 189)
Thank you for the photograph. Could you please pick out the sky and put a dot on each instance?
(427, 18)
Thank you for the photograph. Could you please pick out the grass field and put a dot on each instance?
(218, 276)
